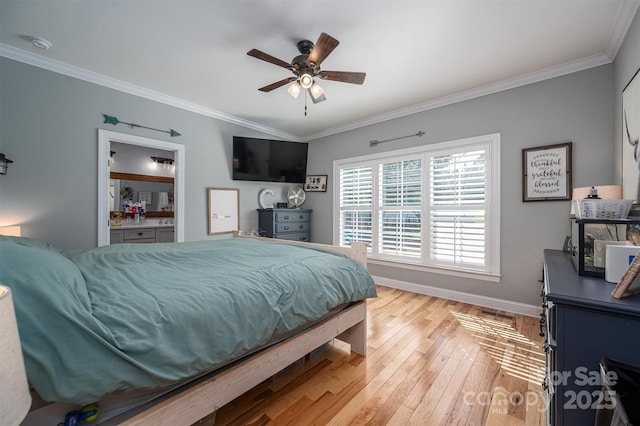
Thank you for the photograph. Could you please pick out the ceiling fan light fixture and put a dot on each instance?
(306, 81)
(294, 89)
(306, 67)
(316, 90)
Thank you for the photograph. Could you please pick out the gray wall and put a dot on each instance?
(49, 128)
(625, 66)
(577, 107)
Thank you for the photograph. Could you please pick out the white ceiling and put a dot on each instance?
(417, 54)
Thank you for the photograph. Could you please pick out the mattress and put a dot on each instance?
(113, 407)
(146, 316)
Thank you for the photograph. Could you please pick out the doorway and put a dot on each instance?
(105, 138)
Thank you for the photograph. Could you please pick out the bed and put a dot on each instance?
(176, 330)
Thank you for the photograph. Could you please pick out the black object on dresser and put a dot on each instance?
(582, 324)
(285, 224)
(589, 238)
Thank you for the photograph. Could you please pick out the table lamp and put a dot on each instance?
(11, 231)
(603, 191)
(15, 399)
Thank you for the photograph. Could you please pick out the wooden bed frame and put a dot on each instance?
(187, 406)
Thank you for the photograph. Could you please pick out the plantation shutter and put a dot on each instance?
(399, 208)
(356, 204)
(434, 206)
(458, 205)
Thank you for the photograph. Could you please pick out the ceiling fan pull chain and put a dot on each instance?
(305, 103)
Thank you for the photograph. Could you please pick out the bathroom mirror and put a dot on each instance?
(156, 191)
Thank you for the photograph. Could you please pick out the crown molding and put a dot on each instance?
(132, 89)
(626, 12)
(511, 83)
(92, 77)
(624, 19)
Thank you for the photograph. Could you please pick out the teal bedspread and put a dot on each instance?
(131, 316)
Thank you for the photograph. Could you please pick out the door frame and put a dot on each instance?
(105, 137)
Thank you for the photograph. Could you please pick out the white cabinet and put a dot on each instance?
(147, 234)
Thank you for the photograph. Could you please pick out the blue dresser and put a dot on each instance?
(582, 323)
(285, 224)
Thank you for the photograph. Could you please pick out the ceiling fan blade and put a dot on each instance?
(277, 84)
(320, 98)
(268, 58)
(344, 76)
(323, 47)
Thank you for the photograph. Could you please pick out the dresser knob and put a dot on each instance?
(286, 228)
(286, 218)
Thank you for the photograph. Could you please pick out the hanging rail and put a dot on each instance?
(376, 142)
(114, 120)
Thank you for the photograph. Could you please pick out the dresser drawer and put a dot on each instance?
(139, 234)
(140, 241)
(298, 236)
(292, 216)
(292, 227)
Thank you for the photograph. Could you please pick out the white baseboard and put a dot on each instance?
(459, 296)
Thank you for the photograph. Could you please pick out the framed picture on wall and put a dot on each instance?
(547, 173)
(630, 137)
(315, 183)
(145, 197)
(223, 210)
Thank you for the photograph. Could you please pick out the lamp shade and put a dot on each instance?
(606, 192)
(15, 399)
(306, 80)
(316, 91)
(294, 89)
(11, 231)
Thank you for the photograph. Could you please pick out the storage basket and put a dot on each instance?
(601, 209)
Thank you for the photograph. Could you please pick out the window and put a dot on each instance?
(356, 198)
(399, 208)
(435, 205)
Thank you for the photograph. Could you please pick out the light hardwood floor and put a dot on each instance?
(431, 361)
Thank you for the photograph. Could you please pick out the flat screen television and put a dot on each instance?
(268, 160)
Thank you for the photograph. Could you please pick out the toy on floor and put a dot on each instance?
(88, 413)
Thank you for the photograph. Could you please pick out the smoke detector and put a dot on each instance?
(41, 43)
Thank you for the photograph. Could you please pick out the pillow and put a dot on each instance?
(53, 312)
(35, 268)
(29, 242)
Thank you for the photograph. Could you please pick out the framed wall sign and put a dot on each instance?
(315, 183)
(145, 196)
(223, 210)
(547, 173)
(630, 138)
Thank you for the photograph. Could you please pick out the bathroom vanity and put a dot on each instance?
(150, 232)
(157, 192)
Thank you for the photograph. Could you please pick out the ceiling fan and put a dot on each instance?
(306, 66)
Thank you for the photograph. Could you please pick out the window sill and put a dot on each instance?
(484, 276)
